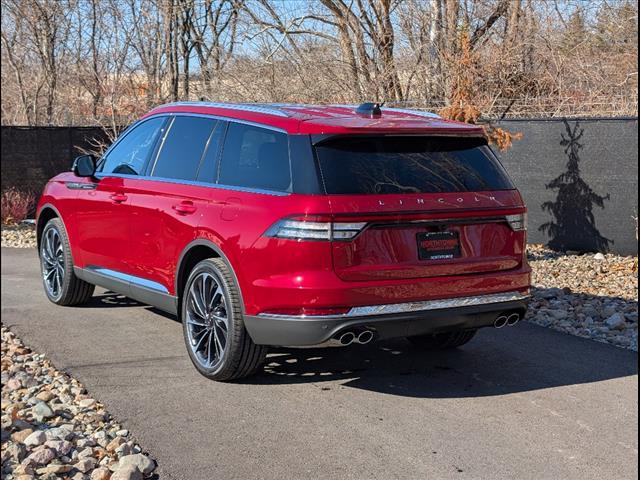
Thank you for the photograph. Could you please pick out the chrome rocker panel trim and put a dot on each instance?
(137, 288)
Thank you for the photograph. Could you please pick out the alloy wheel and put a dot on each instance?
(207, 320)
(53, 265)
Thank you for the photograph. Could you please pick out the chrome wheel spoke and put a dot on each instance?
(196, 307)
(52, 259)
(206, 320)
(215, 297)
(191, 321)
(205, 334)
(213, 338)
(196, 298)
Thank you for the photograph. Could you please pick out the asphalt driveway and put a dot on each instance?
(523, 402)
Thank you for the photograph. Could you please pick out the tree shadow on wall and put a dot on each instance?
(573, 226)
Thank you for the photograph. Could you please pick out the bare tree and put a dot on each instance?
(106, 61)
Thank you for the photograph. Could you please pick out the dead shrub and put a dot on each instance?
(15, 205)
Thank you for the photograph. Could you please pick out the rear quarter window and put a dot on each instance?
(378, 165)
(255, 157)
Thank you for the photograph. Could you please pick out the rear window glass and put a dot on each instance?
(376, 165)
(255, 157)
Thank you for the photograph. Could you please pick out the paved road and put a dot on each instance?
(521, 402)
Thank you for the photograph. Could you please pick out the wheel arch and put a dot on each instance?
(194, 252)
(46, 213)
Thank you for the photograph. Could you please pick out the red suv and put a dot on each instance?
(292, 225)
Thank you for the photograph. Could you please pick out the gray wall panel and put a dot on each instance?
(608, 162)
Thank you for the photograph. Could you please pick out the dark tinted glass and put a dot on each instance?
(130, 155)
(360, 165)
(209, 166)
(255, 157)
(182, 148)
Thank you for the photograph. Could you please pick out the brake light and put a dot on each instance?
(518, 223)
(314, 228)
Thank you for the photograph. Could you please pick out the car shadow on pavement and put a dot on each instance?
(109, 299)
(497, 362)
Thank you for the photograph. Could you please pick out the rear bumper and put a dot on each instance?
(387, 321)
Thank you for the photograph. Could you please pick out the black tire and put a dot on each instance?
(241, 357)
(70, 290)
(443, 341)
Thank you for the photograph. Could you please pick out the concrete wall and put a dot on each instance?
(589, 208)
(605, 152)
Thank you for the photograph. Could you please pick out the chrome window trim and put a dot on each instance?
(195, 183)
(427, 305)
(219, 117)
(243, 107)
(171, 115)
(128, 130)
(132, 279)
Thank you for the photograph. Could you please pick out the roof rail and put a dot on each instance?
(245, 107)
(420, 113)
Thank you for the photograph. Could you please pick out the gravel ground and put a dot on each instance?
(51, 427)
(23, 236)
(591, 296)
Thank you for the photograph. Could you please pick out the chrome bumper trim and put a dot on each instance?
(427, 305)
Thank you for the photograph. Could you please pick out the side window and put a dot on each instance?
(182, 148)
(209, 166)
(255, 157)
(131, 153)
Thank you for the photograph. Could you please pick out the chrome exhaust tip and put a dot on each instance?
(500, 322)
(347, 338)
(513, 319)
(365, 337)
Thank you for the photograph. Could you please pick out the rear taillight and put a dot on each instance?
(314, 228)
(518, 222)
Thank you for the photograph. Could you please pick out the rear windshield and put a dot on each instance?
(361, 165)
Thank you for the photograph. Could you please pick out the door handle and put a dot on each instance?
(185, 208)
(118, 197)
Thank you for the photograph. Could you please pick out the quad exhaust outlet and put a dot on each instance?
(506, 320)
(347, 338)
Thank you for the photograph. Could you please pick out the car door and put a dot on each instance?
(168, 203)
(103, 217)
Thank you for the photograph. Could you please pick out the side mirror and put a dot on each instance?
(84, 166)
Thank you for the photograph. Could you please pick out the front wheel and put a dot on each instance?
(217, 341)
(443, 341)
(56, 263)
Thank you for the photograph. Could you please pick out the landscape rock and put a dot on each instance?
(592, 296)
(51, 427)
(20, 436)
(16, 451)
(36, 438)
(101, 473)
(615, 321)
(43, 456)
(142, 462)
(41, 411)
(54, 469)
(127, 472)
(86, 464)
